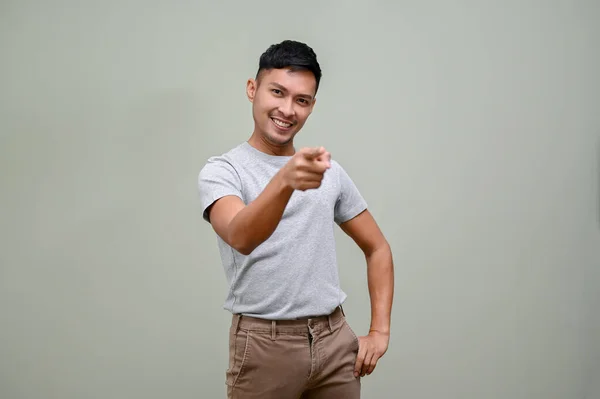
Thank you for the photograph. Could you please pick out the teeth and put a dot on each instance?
(280, 123)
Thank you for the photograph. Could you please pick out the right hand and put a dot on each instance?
(306, 169)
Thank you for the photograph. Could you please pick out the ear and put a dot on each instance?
(312, 106)
(251, 89)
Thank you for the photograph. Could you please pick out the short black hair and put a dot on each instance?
(296, 56)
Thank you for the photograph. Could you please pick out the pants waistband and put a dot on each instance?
(302, 326)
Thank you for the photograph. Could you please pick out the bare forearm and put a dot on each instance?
(380, 274)
(255, 223)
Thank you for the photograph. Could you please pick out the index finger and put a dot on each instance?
(325, 157)
(313, 152)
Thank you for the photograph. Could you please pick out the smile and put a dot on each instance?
(281, 124)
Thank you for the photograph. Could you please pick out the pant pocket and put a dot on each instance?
(355, 339)
(239, 343)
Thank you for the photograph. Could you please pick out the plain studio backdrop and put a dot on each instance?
(471, 128)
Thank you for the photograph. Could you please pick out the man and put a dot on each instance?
(273, 210)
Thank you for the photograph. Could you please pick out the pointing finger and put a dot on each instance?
(313, 153)
(325, 158)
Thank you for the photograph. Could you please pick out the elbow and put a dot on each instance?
(381, 247)
(244, 250)
(240, 244)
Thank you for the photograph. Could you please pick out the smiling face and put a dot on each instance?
(282, 100)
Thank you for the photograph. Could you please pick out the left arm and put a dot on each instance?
(380, 274)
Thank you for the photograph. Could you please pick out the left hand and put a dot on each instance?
(370, 349)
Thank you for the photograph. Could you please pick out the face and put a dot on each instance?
(282, 101)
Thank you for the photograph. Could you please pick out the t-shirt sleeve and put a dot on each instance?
(350, 202)
(217, 179)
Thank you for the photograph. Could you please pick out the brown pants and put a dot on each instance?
(292, 359)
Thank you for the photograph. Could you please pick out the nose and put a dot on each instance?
(287, 108)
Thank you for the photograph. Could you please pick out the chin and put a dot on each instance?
(281, 141)
(279, 138)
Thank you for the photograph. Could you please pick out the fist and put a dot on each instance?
(306, 169)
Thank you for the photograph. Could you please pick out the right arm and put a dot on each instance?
(245, 227)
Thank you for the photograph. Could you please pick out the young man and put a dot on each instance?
(273, 210)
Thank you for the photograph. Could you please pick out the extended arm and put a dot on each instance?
(245, 227)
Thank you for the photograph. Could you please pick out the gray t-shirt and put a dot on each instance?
(294, 273)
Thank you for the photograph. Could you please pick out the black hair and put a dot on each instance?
(296, 56)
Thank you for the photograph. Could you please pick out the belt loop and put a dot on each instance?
(342, 309)
(273, 330)
(330, 322)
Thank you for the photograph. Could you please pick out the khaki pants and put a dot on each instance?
(292, 359)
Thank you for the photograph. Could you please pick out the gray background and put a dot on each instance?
(472, 128)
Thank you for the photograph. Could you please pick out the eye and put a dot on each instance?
(276, 91)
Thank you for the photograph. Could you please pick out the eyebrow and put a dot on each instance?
(280, 87)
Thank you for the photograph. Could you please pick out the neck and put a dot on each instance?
(259, 142)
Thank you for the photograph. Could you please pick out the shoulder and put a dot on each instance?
(338, 169)
(223, 163)
(219, 177)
